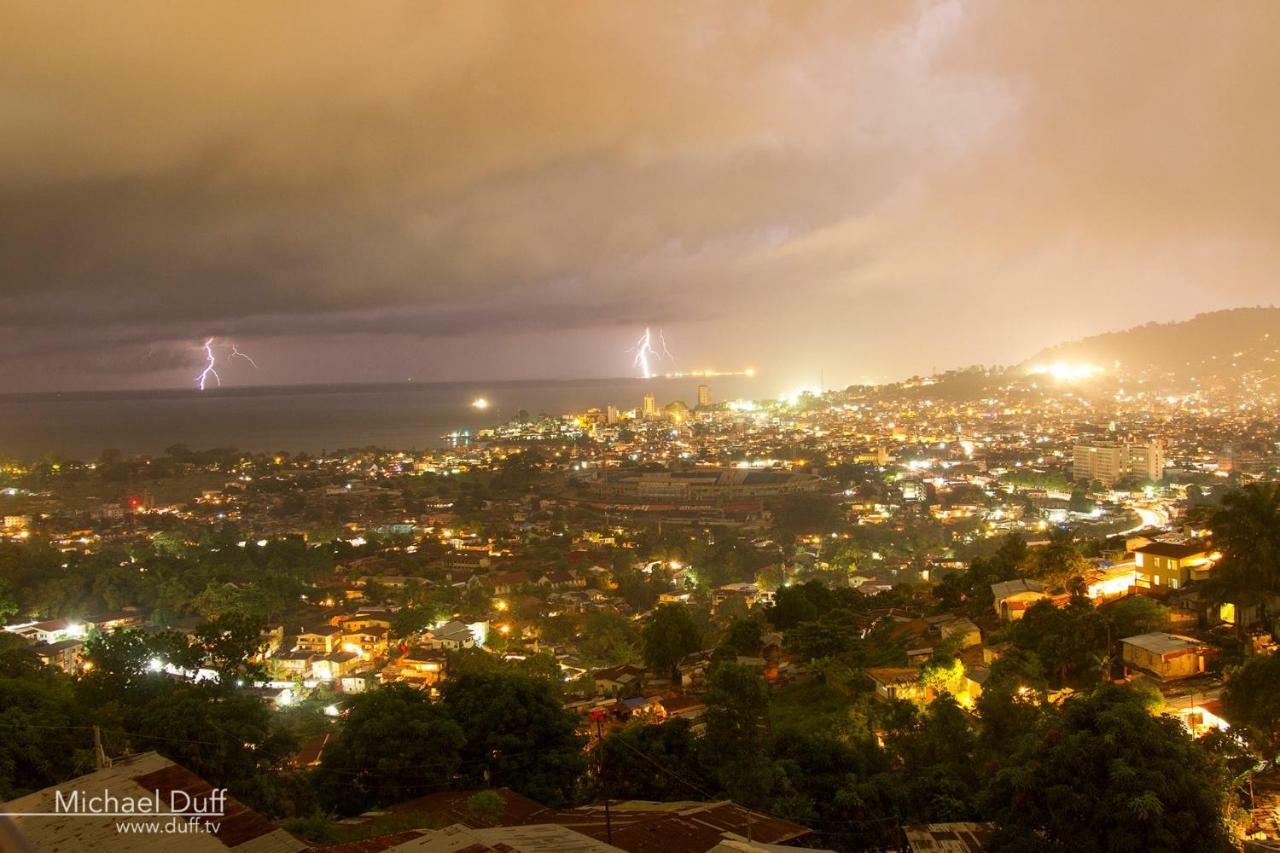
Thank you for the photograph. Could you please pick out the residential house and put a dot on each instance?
(1012, 598)
(1167, 656)
(290, 665)
(454, 635)
(318, 639)
(335, 665)
(1171, 565)
(621, 680)
(897, 682)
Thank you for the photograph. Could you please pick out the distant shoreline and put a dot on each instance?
(308, 389)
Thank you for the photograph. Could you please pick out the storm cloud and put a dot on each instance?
(448, 190)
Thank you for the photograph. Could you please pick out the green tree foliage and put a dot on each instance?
(744, 636)
(1069, 641)
(1136, 615)
(801, 603)
(737, 737)
(971, 590)
(225, 737)
(40, 743)
(517, 735)
(396, 744)
(1105, 775)
(1058, 565)
(609, 639)
(835, 633)
(1251, 701)
(670, 634)
(1246, 529)
(655, 762)
(939, 777)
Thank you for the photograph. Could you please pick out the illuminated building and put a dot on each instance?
(704, 396)
(649, 408)
(1170, 564)
(1109, 461)
(1167, 656)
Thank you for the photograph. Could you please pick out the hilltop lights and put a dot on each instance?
(1065, 371)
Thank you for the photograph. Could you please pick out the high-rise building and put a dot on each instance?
(1109, 461)
(704, 396)
(611, 415)
(649, 409)
(1147, 460)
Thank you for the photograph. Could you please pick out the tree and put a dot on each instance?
(801, 603)
(744, 637)
(1058, 565)
(517, 735)
(1135, 615)
(485, 808)
(939, 775)
(44, 736)
(655, 762)
(1252, 701)
(737, 737)
(1246, 529)
(670, 635)
(1070, 641)
(228, 643)
(609, 640)
(836, 633)
(225, 737)
(396, 744)
(1103, 774)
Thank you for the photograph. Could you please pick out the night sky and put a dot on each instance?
(469, 189)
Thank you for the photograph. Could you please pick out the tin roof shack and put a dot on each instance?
(1012, 598)
(1167, 656)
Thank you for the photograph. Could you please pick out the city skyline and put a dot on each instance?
(493, 190)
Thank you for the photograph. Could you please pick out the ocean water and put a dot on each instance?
(405, 416)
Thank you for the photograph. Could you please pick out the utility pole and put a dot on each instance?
(99, 754)
(598, 716)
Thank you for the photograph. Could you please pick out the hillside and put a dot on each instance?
(1226, 344)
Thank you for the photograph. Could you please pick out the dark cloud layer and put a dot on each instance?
(449, 189)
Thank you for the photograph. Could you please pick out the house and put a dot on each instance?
(421, 666)
(292, 665)
(897, 682)
(1012, 598)
(618, 680)
(689, 707)
(957, 630)
(1167, 656)
(1170, 565)
(66, 655)
(452, 635)
(963, 837)
(748, 593)
(1111, 582)
(368, 641)
(318, 639)
(334, 666)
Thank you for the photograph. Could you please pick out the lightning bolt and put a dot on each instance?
(208, 368)
(235, 352)
(211, 361)
(644, 351)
